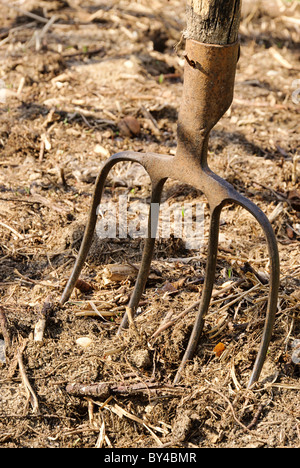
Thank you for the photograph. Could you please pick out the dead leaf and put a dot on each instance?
(129, 126)
(290, 232)
(83, 286)
(168, 288)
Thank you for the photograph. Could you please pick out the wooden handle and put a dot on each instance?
(213, 21)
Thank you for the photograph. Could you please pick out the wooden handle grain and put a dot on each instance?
(213, 21)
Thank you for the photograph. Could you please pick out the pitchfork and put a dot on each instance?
(209, 76)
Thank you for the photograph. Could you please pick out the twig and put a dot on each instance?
(63, 177)
(5, 35)
(21, 86)
(97, 311)
(102, 436)
(40, 35)
(193, 306)
(255, 417)
(25, 13)
(103, 390)
(87, 53)
(276, 212)
(31, 281)
(40, 326)
(48, 203)
(151, 120)
(42, 150)
(277, 56)
(239, 297)
(31, 395)
(20, 200)
(230, 406)
(103, 313)
(6, 226)
(290, 19)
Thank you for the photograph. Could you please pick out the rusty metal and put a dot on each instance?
(209, 77)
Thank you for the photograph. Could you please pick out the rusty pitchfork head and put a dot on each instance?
(209, 77)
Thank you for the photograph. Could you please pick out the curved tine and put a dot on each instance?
(91, 224)
(147, 253)
(207, 289)
(274, 283)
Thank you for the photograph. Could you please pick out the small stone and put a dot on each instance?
(99, 149)
(84, 341)
(296, 352)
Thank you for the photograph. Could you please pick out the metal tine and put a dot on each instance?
(92, 219)
(209, 280)
(207, 290)
(147, 253)
(273, 283)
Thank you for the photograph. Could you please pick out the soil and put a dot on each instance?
(68, 88)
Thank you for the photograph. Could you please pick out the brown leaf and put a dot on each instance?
(290, 232)
(83, 286)
(129, 126)
(168, 287)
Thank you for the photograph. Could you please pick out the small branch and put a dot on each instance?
(31, 395)
(255, 417)
(16, 233)
(100, 390)
(45, 30)
(103, 390)
(31, 281)
(38, 18)
(87, 53)
(40, 326)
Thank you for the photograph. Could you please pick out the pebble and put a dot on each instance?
(102, 151)
(84, 341)
(296, 352)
